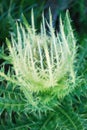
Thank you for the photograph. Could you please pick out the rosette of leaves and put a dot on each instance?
(43, 64)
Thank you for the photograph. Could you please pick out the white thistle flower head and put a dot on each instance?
(44, 63)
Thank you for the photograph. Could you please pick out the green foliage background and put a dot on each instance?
(71, 111)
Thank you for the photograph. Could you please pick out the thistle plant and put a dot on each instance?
(42, 91)
(43, 63)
